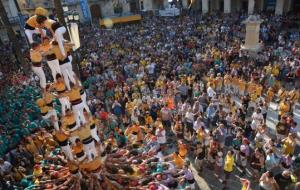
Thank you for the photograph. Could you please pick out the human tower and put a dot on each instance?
(75, 129)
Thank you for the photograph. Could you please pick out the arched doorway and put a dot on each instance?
(296, 7)
(95, 12)
(134, 6)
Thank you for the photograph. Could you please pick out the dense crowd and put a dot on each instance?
(164, 95)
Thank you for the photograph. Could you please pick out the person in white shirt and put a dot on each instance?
(185, 107)
(160, 133)
(210, 91)
(151, 68)
(197, 108)
(189, 120)
(257, 119)
(198, 124)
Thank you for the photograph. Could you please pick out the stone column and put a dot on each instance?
(279, 7)
(166, 3)
(184, 4)
(205, 7)
(237, 5)
(148, 5)
(215, 5)
(252, 34)
(227, 6)
(251, 4)
(126, 7)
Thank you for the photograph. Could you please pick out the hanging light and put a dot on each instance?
(71, 17)
(65, 8)
(76, 17)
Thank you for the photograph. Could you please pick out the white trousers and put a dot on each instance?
(67, 151)
(83, 98)
(70, 58)
(52, 113)
(78, 111)
(29, 34)
(65, 104)
(90, 149)
(54, 67)
(59, 36)
(67, 72)
(78, 175)
(94, 134)
(80, 159)
(73, 138)
(40, 73)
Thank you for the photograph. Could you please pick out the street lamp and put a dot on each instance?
(65, 8)
(72, 19)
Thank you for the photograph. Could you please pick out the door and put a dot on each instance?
(245, 6)
(134, 6)
(296, 7)
(95, 12)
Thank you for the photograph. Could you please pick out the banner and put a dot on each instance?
(85, 10)
(169, 12)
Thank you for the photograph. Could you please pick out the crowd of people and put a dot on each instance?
(156, 99)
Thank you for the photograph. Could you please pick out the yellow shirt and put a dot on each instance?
(275, 71)
(229, 161)
(135, 129)
(59, 87)
(35, 56)
(178, 161)
(57, 52)
(270, 94)
(182, 150)
(74, 94)
(200, 135)
(48, 98)
(44, 110)
(72, 167)
(33, 23)
(78, 149)
(48, 23)
(148, 120)
(268, 69)
(294, 95)
(288, 146)
(235, 81)
(242, 85)
(68, 122)
(283, 108)
(259, 90)
(219, 82)
(251, 87)
(282, 93)
(31, 147)
(61, 136)
(227, 79)
(83, 132)
(91, 166)
(129, 106)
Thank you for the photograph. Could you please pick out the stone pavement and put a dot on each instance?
(207, 180)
